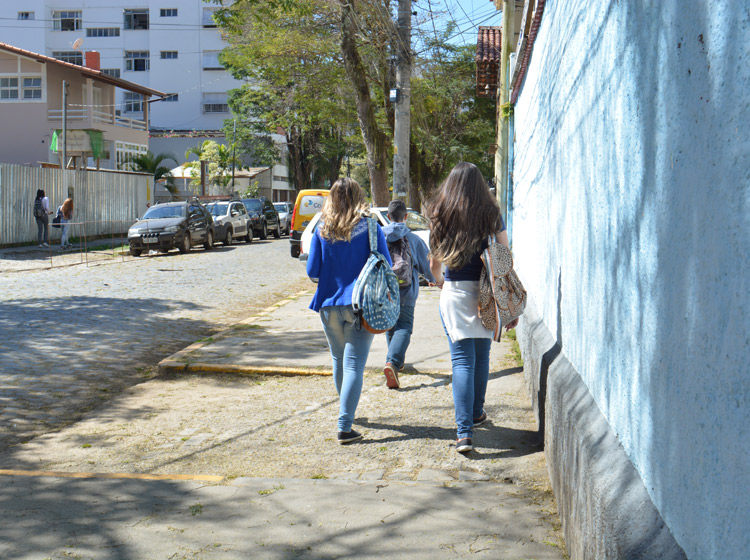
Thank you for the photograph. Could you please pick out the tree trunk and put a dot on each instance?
(376, 142)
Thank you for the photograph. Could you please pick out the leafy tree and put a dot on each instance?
(289, 54)
(220, 160)
(448, 122)
(148, 162)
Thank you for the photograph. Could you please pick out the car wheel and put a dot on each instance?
(185, 245)
(277, 233)
(209, 240)
(264, 232)
(136, 252)
(228, 239)
(249, 236)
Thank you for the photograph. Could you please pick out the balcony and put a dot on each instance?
(85, 118)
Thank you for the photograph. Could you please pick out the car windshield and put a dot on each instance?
(156, 212)
(280, 207)
(253, 205)
(217, 209)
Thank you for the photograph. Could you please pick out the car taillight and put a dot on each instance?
(294, 216)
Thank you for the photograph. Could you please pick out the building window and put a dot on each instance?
(133, 102)
(66, 21)
(74, 57)
(168, 55)
(208, 17)
(137, 61)
(8, 88)
(26, 15)
(168, 12)
(211, 60)
(125, 151)
(114, 72)
(215, 103)
(136, 19)
(32, 88)
(103, 32)
(171, 98)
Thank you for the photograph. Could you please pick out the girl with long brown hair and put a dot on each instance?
(463, 215)
(338, 252)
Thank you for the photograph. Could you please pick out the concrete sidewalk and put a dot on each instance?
(288, 339)
(200, 464)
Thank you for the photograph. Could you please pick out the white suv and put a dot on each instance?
(231, 221)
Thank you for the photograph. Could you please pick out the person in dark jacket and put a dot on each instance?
(41, 215)
(399, 336)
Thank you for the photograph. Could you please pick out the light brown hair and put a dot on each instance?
(462, 214)
(343, 209)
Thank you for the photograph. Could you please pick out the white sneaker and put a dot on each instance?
(41, 246)
(45, 244)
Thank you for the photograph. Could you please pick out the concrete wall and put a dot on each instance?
(631, 216)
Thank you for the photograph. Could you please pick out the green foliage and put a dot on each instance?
(449, 123)
(288, 52)
(154, 164)
(220, 160)
(253, 190)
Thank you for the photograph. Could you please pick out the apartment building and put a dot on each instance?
(166, 45)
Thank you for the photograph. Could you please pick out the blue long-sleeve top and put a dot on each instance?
(419, 258)
(337, 264)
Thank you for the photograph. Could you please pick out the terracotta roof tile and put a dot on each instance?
(487, 59)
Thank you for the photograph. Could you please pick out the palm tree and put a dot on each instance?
(148, 162)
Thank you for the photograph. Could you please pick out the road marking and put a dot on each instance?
(136, 476)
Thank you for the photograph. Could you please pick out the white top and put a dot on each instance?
(459, 308)
(45, 204)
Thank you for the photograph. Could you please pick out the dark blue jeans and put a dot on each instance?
(399, 336)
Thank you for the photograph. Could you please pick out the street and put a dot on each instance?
(74, 336)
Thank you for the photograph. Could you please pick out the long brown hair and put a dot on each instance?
(343, 209)
(462, 214)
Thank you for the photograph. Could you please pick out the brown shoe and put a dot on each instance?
(391, 376)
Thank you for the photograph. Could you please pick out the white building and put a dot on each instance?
(166, 45)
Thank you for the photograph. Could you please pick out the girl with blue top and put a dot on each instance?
(339, 250)
(463, 215)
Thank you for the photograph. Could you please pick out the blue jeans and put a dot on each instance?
(65, 232)
(349, 346)
(470, 358)
(42, 229)
(399, 336)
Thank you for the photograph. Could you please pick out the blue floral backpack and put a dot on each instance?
(375, 298)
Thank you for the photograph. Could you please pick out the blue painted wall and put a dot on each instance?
(632, 234)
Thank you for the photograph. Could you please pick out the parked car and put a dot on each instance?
(231, 221)
(309, 202)
(285, 215)
(263, 217)
(172, 225)
(415, 221)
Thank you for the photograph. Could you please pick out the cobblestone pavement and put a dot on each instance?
(75, 334)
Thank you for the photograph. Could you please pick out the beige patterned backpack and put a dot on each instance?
(502, 297)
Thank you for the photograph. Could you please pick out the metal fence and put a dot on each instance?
(106, 203)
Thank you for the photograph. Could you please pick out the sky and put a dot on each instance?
(467, 14)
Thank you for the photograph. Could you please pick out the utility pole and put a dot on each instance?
(402, 98)
(234, 144)
(64, 138)
(501, 158)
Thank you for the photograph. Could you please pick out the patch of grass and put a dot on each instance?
(86, 445)
(197, 509)
(319, 476)
(207, 340)
(268, 491)
(383, 449)
(515, 353)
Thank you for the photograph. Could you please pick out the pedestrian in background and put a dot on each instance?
(338, 252)
(400, 238)
(463, 215)
(67, 215)
(41, 215)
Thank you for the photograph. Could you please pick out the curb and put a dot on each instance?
(179, 362)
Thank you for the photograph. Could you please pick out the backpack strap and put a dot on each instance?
(372, 232)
